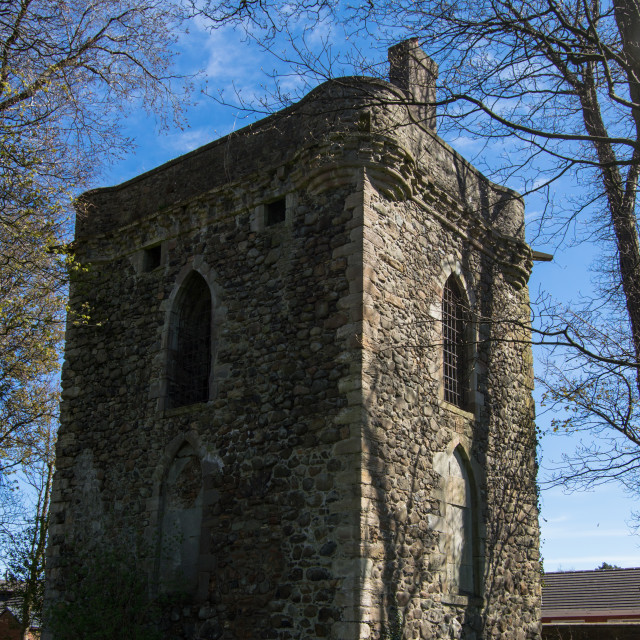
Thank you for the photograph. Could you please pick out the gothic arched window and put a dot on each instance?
(460, 521)
(180, 521)
(190, 344)
(454, 366)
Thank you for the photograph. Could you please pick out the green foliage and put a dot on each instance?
(605, 566)
(32, 295)
(68, 73)
(109, 598)
(393, 630)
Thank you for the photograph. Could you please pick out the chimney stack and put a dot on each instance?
(415, 73)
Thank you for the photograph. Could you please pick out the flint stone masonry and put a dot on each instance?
(325, 489)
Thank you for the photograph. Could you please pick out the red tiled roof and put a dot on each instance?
(605, 595)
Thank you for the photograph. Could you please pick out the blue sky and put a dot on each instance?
(579, 530)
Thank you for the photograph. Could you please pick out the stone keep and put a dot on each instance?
(302, 401)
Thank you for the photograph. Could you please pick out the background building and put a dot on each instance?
(591, 605)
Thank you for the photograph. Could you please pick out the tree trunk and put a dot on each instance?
(627, 13)
(621, 200)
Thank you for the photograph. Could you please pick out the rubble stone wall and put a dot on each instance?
(411, 435)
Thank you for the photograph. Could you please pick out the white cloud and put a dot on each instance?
(188, 140)
(228, 57)
(465, 143)
(221, 57)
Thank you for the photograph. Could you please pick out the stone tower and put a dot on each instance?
(301, 405)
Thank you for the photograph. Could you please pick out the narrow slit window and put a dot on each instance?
(453, 344)
(190, 358)
(275, 212)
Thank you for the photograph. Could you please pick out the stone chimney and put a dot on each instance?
(415, 73)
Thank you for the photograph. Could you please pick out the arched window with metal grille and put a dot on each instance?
(454, 361)
(190, 344)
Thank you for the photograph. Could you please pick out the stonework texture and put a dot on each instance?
(324, 488)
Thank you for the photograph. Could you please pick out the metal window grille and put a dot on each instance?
(191, 366)
(453, 344)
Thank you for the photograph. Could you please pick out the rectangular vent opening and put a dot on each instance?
(276, 212)
(152, 258)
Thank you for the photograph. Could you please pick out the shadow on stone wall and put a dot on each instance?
(412, 599)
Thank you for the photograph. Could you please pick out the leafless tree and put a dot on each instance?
(556, 85)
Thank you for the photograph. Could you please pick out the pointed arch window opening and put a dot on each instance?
(463, 548)
(190, 361)
(181, 505)
(454, 330)
(465, 553)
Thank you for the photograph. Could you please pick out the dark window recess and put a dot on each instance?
(190, 362)
(152, 258)
(453, 344)
(276, 212)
